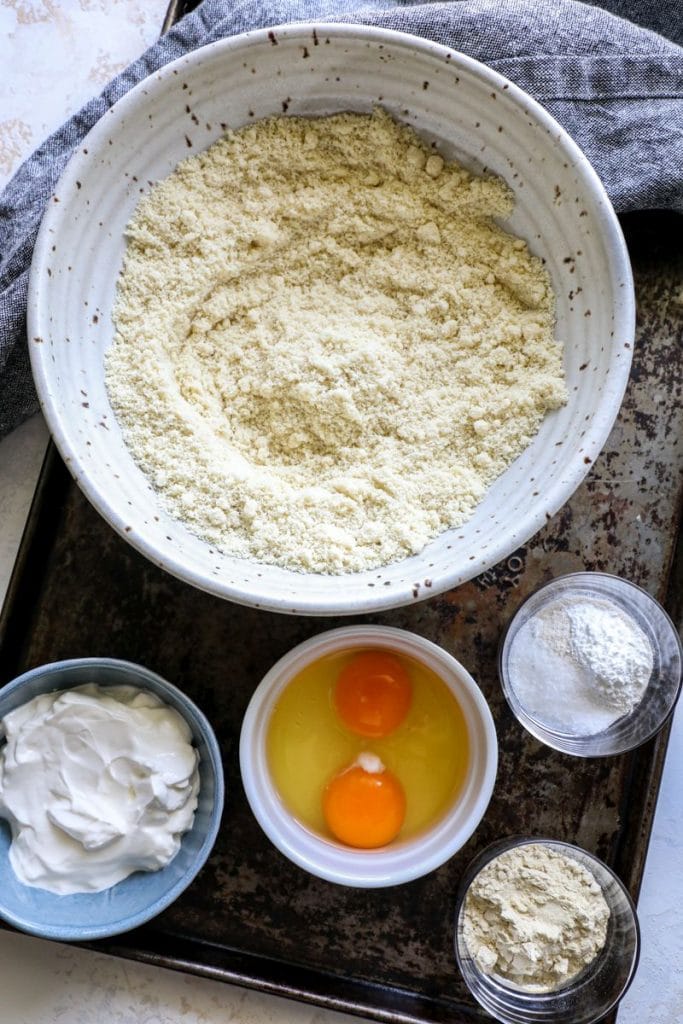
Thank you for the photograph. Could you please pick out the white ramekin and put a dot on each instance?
(400, 861)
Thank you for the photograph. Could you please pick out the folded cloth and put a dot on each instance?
(617, 88)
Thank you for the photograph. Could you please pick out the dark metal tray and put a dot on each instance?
(250, 916)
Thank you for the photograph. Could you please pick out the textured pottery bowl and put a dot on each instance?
(144, 894)
(473, 114)
(593, 993)
(400, 861)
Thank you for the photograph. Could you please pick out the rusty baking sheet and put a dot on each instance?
(250, 916)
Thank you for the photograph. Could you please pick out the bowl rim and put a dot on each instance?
(78, 933)
(544, 735)
(380, 598)
(385, 866)
(502, 845)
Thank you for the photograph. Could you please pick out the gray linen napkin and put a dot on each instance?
(617, 88)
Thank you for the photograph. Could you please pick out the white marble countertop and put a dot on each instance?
(54, 56)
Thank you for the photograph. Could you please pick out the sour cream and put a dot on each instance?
(96, 782)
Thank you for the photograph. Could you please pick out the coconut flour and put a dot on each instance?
(535, 917)
(326, 349)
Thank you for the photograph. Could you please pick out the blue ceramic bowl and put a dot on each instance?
(144, 894)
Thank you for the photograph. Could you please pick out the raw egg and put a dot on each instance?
(364, 805)
(352, 705)
(373, 693)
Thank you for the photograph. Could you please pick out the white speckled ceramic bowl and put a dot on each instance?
(473, 114)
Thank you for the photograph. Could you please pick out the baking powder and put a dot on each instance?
(579, 664)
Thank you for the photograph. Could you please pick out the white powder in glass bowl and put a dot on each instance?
(579, 664)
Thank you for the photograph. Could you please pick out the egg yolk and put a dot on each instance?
(364, 809)
(373, 694)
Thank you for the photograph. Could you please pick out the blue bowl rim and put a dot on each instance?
(76, 933)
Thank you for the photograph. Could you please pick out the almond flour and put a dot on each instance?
(326, 349)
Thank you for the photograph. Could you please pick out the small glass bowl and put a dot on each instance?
(591, 994)
(663, 688)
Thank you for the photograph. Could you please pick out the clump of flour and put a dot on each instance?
(325, 348)
(535, 917)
